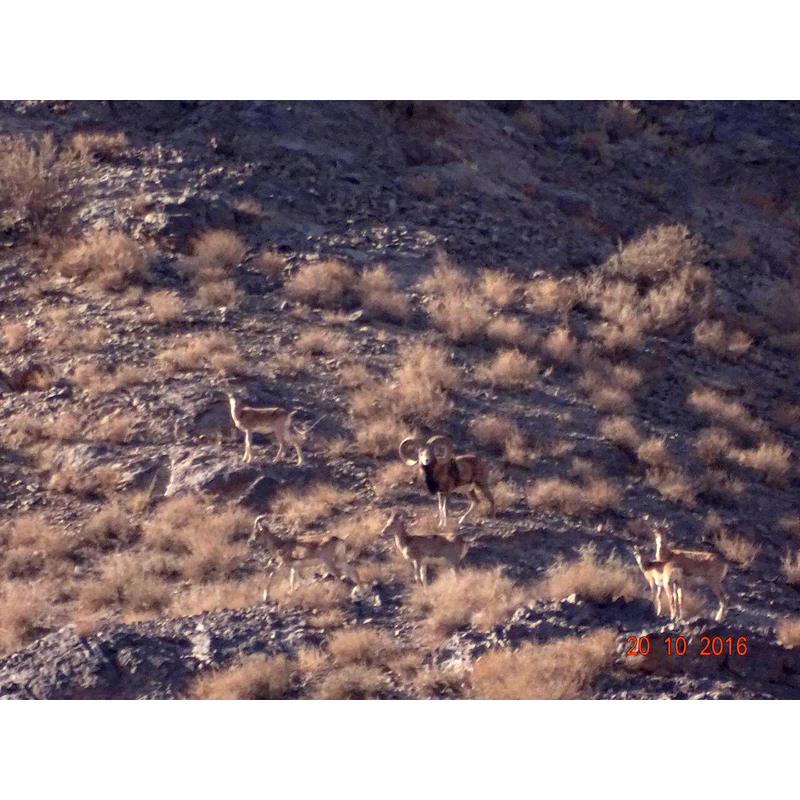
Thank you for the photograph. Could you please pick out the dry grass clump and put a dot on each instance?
(420, 382)
(501, 435)
(788, 631)
(461, 317)
(116, 427)
(393, 480)
(111, 528)
(714, 445)
(319, 596)
(654, 453)
(510, 332)
(33, 180)
(102, 481)
(92, 145)
(380, 296)
(270, 263)
(561, 670)
(500, 288)
(353, 682)
(594, 496)
(559, 346)
(620, 118)
(64, 427)
(238, 593)
(324, 284)
(622, 432)
(739, 549)
(610, 399)
(772, 460)
(445, 277)
(673, 485)
(359, 530)
(15, 336)
(220, 249)
(106, 260)
(321, 342)
(165, 307)
(731, 413)
(549, 294)
(310, 503)
(122, 585)
(601, 581)
(25, 612)
(713, 339)
(214, 294)
(207, 351)
(790, 524)
(509, 369)
(473, 597)
(361, 645)
(659, 252)
(253, 678)
(379, 436)
(719, 486)
(790, 566)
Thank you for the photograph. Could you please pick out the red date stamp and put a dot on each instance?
(677, 646)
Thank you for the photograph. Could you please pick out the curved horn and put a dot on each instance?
(409, 444)
(444, 444)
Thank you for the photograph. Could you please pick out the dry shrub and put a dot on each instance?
(622, 432)
(220, 249)
(99, 482)
(379, 436)
(15, 335)
(501, 435)
(25, 612)
(601, 581)
(355, 375)
(392, 481)
(165, 307)
(359, 530)
(510, 332)
(435, 682)
(559, 346)
(64, 427)
(420, 382)
(116, 427)
(790, 566)
(324, 284)
(270, 263)
(715, 340)
(33, 181)
(230, 594)
(380, 296)
(610, 399)
(739, 549)
(501, 289)
(253, 678)
(310, 503)
(790, 524)
(445, 277)
(506, 495)
(659, 252)
(714, 445)
(123, 585)
(713, 404)
(788, 632)
(673, 485)
(593, 497)
(91, 145)
(218, 293)
(654, 453)
(561, 670)
(290, 363)
(319, 596)
(362, 645)
(461, 317)
(620, 118)
(772, 460)
(549, 294)
(106, 260)
(353, 682)
(471, 597)
(509, 369)
(318, 341)
(109, 529)
(206, 351)
(719, 486)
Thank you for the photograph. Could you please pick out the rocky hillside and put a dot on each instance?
(597, 299)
